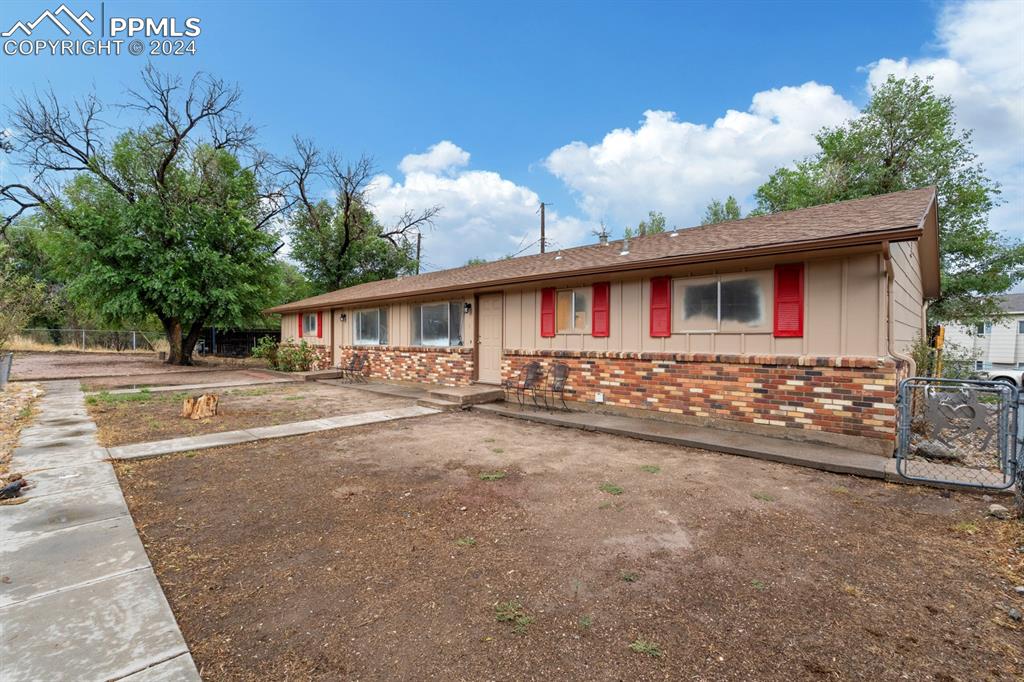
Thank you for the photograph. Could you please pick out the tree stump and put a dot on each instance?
(200, 408)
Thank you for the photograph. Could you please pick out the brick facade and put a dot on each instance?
(838, 395)
(442, 366)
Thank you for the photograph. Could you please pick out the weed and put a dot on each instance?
(764, 497)
(585, 622)
(852, 590)
(840, 490)
(629, 576)
(252, 392)
(497, 451)
(611, 489)
(650, 468)
(758, 584)
(296, 397)
(108, 398)
(489, 440)
(512, 612)
(492, 475)
(465, 542)
(966, 527)
(192, 454)
(643, 646)
(25, 412)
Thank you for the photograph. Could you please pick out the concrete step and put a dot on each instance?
(443, 405)
(467, 395)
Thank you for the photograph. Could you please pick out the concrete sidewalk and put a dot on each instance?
(216, 440)
(78, 596)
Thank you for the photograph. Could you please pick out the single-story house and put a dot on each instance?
(795, 324)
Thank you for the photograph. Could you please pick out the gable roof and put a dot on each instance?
(1012, 303)
(900, 215)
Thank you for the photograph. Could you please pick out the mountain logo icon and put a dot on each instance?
(77, 20)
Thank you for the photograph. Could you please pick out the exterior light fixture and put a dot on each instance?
(467, 307)
(343, 317)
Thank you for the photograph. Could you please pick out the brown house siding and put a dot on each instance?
(442, 366)
(844, 396)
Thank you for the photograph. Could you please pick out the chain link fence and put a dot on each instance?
(90, 340)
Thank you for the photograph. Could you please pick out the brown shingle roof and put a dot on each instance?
(863, 220)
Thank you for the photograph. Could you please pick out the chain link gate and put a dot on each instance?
(959, 432)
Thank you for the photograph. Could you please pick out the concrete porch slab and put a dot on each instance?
(100, 631)
(814, 455)
(467, 395)
(48, 562)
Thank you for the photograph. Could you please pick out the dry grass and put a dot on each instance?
(25, 343)
(17, 410)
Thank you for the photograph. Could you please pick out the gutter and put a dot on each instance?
(890, 323)
(899, 234)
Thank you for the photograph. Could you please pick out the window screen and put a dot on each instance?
(437, 324)
(572, 310)
(371, 327)
(309, 323)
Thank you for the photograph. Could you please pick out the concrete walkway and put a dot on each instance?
(216, 440)
(78, 596)
(814, 455)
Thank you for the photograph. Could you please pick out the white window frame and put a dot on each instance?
(573, 329)
(985, 328)
(315, 330)
(768, 289)
(1020, 326)
(356, 341)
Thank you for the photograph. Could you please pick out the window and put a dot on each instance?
(730, 303)
(371, 327)
(1020, 326)
(572, 310)
(309, 324)
(978, 364)
(437, 324)
(983, 328)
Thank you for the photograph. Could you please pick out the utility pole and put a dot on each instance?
(419, 239)
(543, 241)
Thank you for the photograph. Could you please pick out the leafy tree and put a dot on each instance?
(167, 221)
(654, 224)
(477, 261)
(342, 244)
(718, 212)
(20, 297)
(905, 138)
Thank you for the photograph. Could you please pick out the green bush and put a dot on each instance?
(287, 356)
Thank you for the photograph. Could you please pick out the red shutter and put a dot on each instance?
(661, 306)
(547, 312)
(789, 300)
(319, 324)
(300, 324)
(601, 323)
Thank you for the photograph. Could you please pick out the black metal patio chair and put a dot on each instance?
(555, 387)
(530, 377)
(355, 369)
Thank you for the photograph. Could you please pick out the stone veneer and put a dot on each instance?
(850, 396)
(442, 366)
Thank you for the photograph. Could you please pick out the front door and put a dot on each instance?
(489, 338)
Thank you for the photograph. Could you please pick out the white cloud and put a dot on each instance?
(443, 157)
(484, 215)
(983, 72)
(676, 166)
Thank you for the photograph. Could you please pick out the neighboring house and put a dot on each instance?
(995, 346)
(793, 324)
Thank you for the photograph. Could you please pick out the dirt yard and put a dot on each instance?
(33, 365)
(466, 547)
(209, 375)
(144, 416)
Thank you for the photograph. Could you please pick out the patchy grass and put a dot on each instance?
(585, 622)
(853, 590)
(512, 612)
(611, 489)
(644, 646)
(758, 584)
(651, 469)
(629, 576)
(764, 497)
(492, 475)
(107, 398)
(966, 528)
(498, 451)
(465, 542)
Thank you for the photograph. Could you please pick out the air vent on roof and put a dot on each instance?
(625, 247)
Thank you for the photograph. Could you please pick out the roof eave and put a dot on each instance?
(897, 234)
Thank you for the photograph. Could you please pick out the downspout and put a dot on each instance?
(890, 323)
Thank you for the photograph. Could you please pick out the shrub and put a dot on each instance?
(287, 356)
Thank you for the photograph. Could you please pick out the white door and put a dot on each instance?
(489, 338)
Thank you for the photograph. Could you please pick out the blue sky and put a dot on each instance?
(549, 101)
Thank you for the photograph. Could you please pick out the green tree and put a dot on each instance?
(20, 297)
(718, 212)
(341, 243)
(907, 137)
(477, 261)
(654, 224)
(166, 222)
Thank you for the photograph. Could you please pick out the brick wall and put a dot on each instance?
(443, 366)
(846, 395)
(323, 361)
